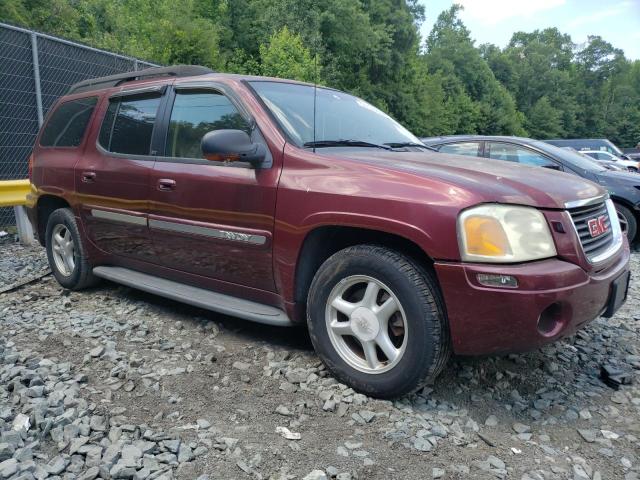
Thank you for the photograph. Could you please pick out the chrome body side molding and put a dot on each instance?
(208, 232)
(118, 217)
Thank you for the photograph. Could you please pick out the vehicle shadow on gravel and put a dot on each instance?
(296, 338)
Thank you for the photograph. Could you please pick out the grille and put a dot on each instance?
(592, 246)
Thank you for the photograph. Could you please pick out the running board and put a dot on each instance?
(198, 297)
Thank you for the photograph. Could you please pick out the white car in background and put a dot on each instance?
(601, 155)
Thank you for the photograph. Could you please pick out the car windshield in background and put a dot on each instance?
(341, 119)
(574, 159)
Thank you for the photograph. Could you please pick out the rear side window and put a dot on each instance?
(127, 126)
(67, 124)
(471, 149)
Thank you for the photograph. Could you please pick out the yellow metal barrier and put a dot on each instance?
(14, 192)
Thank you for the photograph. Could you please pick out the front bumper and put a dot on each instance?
(554, 298)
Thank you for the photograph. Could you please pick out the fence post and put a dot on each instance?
(36, 76)
(25, 232)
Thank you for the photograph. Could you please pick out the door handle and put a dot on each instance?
(166, 184)
(88, 177)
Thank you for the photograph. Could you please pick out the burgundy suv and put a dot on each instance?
(278, 202)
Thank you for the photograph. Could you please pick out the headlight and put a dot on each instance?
(495, 233)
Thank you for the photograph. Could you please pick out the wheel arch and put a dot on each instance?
(323, 241)
(45, 206)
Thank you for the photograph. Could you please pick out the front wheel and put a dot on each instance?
(377, 322)
(628, 222)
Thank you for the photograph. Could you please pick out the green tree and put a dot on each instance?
(544, 121)
(285, 56)
(490, 108)
(540, 82)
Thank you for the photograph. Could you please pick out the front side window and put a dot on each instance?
(471, 149)
(339, 116)
(67, 124)
(194, 114)
(127, 126)
(514, 153)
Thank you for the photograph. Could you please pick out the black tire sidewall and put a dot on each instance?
(419, 355)
(65, 217)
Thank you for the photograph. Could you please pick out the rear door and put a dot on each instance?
(112, 178)
(211, 218)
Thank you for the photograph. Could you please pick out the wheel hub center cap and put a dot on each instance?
(364, 324)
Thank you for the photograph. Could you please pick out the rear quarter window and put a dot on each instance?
(67, 124)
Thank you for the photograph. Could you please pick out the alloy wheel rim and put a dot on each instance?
(624, 224)
(366, 324)
(63, 249)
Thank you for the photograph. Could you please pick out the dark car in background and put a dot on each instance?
(623, 187)
(633, 153)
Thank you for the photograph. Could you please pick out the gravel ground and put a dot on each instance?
(115, 383)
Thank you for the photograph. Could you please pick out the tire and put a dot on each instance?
(417, 329)
(630, 219)
(76, 275)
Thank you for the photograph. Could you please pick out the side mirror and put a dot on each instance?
(232, 146)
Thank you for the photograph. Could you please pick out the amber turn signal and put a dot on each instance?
(485, 236)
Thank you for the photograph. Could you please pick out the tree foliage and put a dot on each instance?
(541, 84)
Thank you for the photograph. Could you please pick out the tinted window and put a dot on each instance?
(514, 153)
(471, 149)
(128, 125)
(193, 115)
(67, 124)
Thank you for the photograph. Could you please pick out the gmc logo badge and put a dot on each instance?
(597, 226)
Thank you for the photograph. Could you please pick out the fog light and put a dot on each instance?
(493, 280)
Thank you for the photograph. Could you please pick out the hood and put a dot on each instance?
(491, 180)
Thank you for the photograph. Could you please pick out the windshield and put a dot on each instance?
(339, 116)
(576, 160)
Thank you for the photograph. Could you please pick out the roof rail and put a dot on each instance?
(114, 80)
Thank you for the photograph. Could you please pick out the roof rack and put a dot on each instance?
(114, 80)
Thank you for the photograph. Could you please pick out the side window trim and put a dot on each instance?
(482, 149)
(119, 97)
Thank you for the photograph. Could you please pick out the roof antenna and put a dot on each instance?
(315, 92)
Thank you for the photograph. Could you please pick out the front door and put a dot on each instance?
(112, 178)
(211, 218)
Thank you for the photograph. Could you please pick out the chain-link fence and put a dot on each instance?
(36, 69)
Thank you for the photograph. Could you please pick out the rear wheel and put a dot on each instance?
(628, 221)
(65, 252)
(377, 322)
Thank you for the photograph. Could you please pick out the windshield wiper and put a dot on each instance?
(410, 144)
(344, 143)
